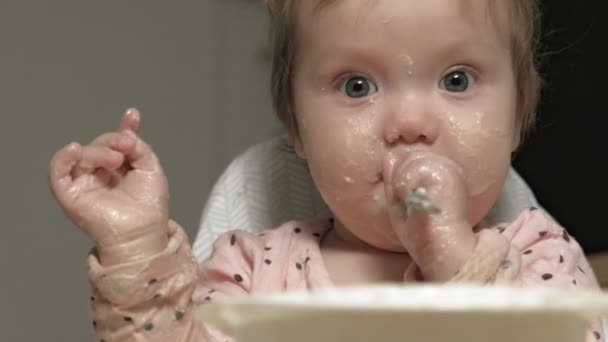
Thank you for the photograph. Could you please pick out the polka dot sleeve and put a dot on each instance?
(531, 251)
(147, 300)
(550, 257)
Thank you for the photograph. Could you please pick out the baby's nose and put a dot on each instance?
(412, 124)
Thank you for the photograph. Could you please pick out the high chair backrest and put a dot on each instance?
(268, 185)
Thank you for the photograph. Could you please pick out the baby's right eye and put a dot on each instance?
(357, 87)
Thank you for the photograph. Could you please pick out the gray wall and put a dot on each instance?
(68, 68)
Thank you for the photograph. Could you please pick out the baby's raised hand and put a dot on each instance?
(438, 242)
(115, 191)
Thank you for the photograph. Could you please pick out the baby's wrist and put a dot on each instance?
(446, 252)
(135, 246)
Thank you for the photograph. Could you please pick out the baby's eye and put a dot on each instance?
(357, 87)
(457, 81)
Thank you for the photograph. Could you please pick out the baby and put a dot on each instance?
(407, 113)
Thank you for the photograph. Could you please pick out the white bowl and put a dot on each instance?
(420, 313)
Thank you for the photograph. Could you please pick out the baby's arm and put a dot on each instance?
(142, 271)
(152, 299)
(148, 299)
(551, 257)
(531, 251)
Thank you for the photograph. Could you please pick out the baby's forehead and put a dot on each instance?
(495, 12)
(491, 16)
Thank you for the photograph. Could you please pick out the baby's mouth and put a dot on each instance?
(376, 178)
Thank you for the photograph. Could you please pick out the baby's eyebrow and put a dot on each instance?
(358, 52)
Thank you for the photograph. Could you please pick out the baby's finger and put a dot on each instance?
(136, 151)
(60, 169)
(130, 120)
(95, 157)
(119, 141)
(141, 156)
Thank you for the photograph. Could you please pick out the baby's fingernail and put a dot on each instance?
(73, 146)
(133, 115)
(132, 111)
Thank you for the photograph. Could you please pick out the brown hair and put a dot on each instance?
(524, 44)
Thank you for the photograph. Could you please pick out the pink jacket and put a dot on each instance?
(150, 300)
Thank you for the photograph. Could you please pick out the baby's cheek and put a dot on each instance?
(343, 172)
(481, 145)
(362, 147)
(485, 170)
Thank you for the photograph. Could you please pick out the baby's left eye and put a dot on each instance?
(457, 81)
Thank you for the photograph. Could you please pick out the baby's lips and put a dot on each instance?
(396, 169)
(398, 162)
(393, 172)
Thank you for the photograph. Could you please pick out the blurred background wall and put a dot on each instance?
(196, 69)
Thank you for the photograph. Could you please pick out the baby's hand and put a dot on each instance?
(115, 191)
(439, 242)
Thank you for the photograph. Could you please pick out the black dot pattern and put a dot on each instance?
(565, 236)
(303, 263)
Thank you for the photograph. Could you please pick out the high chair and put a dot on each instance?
(268, 185)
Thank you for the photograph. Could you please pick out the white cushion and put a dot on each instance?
(268, 185)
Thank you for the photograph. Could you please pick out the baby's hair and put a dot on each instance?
(524, 36)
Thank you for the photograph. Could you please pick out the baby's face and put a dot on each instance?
(389, 76)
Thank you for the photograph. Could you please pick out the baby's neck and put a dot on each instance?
(350, 261)
(343, 237)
